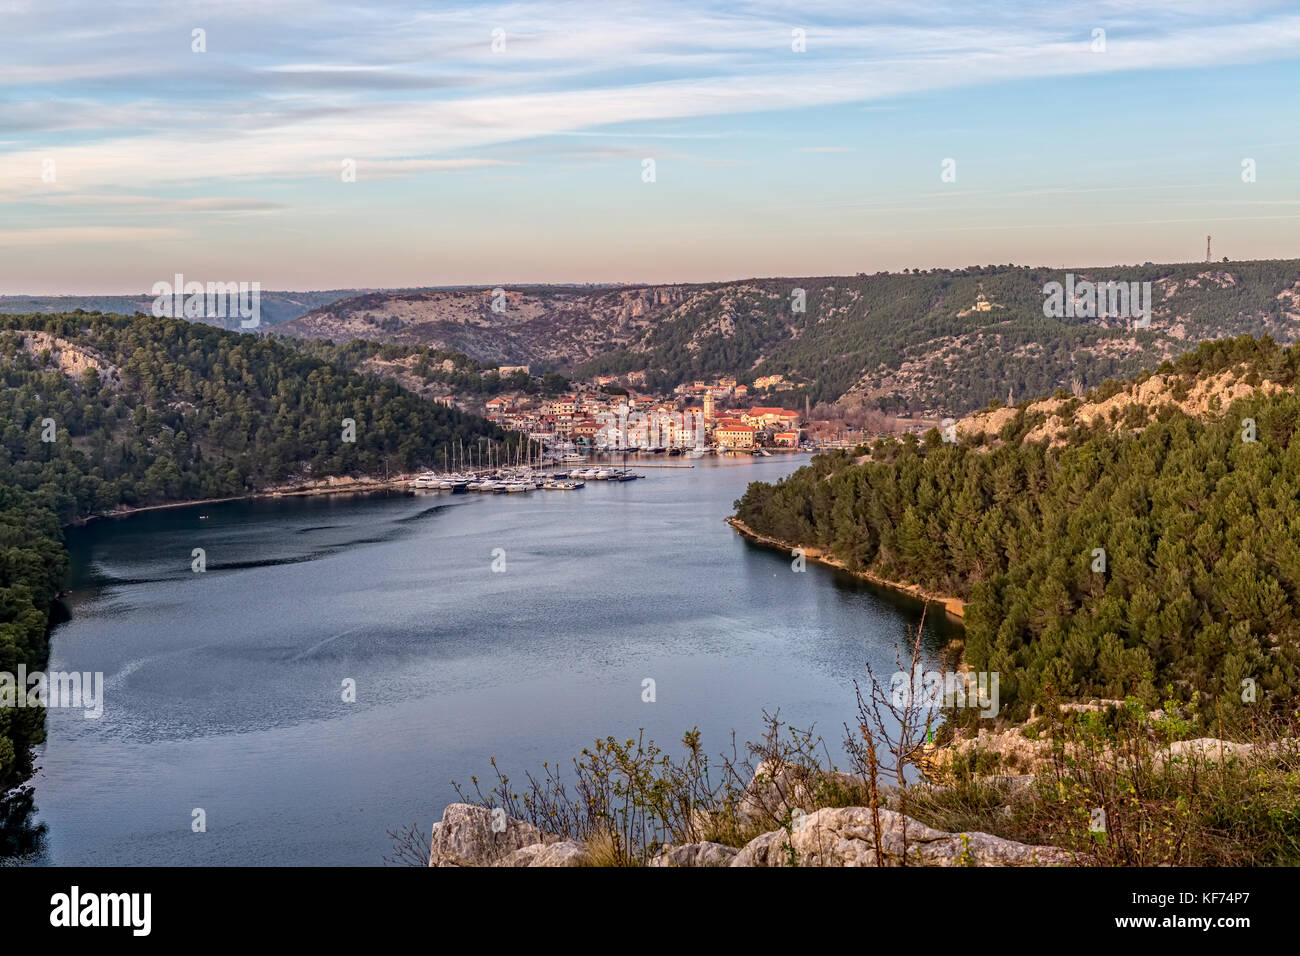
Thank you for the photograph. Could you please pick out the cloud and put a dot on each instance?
(155, 205)
(96, 235)
(288, 89)
(393, 168)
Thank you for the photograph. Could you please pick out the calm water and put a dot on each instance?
(223, 689)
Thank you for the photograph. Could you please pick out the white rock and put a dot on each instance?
(1208, 749)
(844, 837)
(564, 853)
(695, 854)
(466, 837)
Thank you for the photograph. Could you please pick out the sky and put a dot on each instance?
(307, 144)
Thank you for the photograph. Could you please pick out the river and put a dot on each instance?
(224, 689)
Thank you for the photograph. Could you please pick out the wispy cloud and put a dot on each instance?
(435, 86)
(108, 114)
(72, 235)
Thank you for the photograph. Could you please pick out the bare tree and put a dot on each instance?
(411, 847)
(897, 720)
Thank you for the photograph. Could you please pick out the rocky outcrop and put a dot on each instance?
(476, 836)
(1193, 395)
(72, 360)
(845, 836)
(834, 836)
(1205, 750)
(564, 853)
(695, 854)
(1029, 755)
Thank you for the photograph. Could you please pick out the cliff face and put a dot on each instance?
(73, 360)
(1192, 395)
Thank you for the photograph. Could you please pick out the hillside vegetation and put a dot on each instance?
(1149, 554)
(428, 371)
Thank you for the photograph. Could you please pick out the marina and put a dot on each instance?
(507, 482)
(495, 469)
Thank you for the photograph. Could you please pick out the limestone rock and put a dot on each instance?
(466, 837)
(1209, 749)
(844, 837)
(564, 853)
(695, 854)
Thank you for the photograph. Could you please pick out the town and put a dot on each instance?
(612, 413)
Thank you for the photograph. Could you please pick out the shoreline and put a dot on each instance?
(352, 486)
(357, 486)
(954, 607)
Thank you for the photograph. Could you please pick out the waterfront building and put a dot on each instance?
(733, 434)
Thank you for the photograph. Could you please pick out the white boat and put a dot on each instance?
(563, 485)
(426, 480)
(574, 456)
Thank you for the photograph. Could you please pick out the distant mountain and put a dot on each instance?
(276, 307)
(554, 326)
(938, 342)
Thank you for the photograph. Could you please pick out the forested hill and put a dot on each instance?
(143, 410)
(939, 341)
(1155, 554)
(107, 410)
